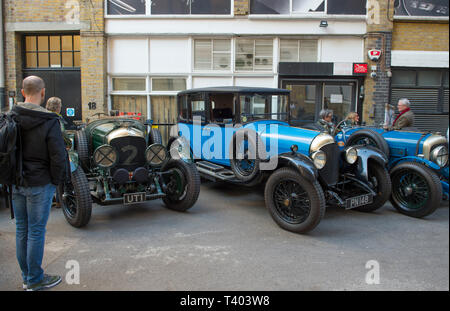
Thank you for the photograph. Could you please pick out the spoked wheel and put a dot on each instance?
(294, 203)
(75, 199)
(416, 190)
(183, 185)
(247, 144)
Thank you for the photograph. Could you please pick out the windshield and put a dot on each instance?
(263, 107)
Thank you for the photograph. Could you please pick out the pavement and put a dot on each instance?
(229, 242)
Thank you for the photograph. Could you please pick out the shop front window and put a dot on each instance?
(129, 104)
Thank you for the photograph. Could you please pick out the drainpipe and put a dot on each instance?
(2, 63)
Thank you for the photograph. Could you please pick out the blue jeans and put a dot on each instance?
(31, 208)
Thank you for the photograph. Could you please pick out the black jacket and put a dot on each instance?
(43, 150)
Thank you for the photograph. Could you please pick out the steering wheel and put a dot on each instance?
(99, 114)
(337, 128)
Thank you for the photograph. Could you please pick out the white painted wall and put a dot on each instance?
(170, 55)
(342, 49)
(231, 26)
(198, 82)
(128, 55)
(429, 59)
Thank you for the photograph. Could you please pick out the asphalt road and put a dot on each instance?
(228, 241)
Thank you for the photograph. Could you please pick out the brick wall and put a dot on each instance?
(420, 36)
(51, 14)
(379, 36)
(241, 7)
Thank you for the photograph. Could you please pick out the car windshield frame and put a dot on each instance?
(184, 98)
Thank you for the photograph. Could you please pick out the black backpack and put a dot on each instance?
(10, 156)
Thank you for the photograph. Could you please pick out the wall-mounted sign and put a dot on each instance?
(431, 8)
(374, 55)
(360, 69)
(126, 7)
(70, 112)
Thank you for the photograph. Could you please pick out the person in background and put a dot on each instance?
(54, 105)
(325, 121)
(44, 164)
(405, 117)
(351, 119)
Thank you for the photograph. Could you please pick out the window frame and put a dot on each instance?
(299, 48)
(212, 53)
(253, 70)
(148, 13)
(36, 52)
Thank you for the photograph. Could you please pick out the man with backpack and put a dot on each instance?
(43, 164)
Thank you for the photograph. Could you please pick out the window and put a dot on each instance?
(191, 7)
(168, 84)
(52, 51)
(126, 7)
(129, 84)
(129, 104)
(254, 55)
(298, 50)
(404, 78)
(335, 7)
(260, 107)
(212, 55)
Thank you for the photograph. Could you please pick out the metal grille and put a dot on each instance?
(422, 100)
(445, 101)
(330, 173)
(131, 152)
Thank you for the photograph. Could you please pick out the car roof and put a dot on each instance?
(235, 89)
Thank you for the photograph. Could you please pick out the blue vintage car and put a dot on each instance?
(243, 135)
(418, 165)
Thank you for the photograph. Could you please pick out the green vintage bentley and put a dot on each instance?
(121, 160)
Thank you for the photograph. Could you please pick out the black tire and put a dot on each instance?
(82, 148)
(369, 137)
(240, 167)
(155, 137)
(186, 173)
(75, 199)
(425, 188)
(312, 193)
(379, 177)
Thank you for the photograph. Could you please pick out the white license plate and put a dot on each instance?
(132, 198)
(359, 201)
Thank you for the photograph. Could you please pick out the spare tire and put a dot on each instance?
(246, 166)
(82, 148)
(155, 137)
(369, 137)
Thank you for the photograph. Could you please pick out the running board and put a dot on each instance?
(215, 172)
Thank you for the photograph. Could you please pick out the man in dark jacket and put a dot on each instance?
(43, 155)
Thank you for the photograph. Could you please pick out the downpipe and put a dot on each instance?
(2, 63)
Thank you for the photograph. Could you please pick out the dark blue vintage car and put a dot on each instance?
(418, 165)
(243, 135)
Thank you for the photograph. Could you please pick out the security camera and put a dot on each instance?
(373, 74)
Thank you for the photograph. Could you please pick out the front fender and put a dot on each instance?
(301, 163)
(423, 161)
(366, 153)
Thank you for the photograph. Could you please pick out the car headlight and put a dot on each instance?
(351, 155)
(105, 156)
(156, 155)
(319, 159)
(439, 155)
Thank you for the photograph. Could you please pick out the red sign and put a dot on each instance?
(360, 68)
(374, 55)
